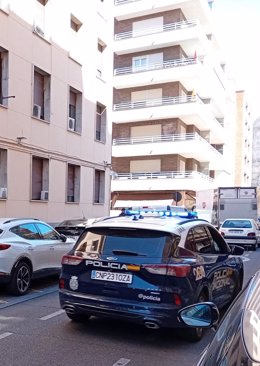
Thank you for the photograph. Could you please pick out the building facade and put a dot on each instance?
(55, 103)
(243, 141)
(173, 105)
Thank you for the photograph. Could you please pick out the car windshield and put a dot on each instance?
(126, 242)
(245, 224)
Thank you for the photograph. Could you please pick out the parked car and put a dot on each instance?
(29, 248)
(73, 227)
(237, 340)
(244, 232)
(144, 269)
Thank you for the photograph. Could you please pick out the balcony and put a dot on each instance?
(189, 108)
(194, 73)
(161, 181)
(189, 145)
(187, 33)
(125, 9)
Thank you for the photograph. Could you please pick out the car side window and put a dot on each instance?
(47, 232)
(26, 231)
(202, 241)
(190, 244)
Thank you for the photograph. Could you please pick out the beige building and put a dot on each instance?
(173, 106)
(55, 104)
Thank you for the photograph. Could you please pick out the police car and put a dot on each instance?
(145, 267)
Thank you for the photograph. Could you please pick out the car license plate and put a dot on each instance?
(235, 231)
(111, 276)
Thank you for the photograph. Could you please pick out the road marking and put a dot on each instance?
(122, 362)
(4, 335)
(59, 312)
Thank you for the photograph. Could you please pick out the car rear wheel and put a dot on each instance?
(254, 247)
(21, 279)
(195, 334)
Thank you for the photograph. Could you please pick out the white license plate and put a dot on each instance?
(111, 276)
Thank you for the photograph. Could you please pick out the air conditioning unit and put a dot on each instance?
(71, 124)
(44, 195)
(37, 110)
(38, 30)
(3, 192)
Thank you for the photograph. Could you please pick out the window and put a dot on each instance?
(41, 95)
(73, 183)
(146, 62)
(40, 179)
(101, 117)
(99, 186)
(101, 47)
(27, 231)
(3, 174)
(75, 110)
(47, 233)
(3, 76)
(198, 240)
(75, 24)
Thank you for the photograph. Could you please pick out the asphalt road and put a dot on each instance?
(34, 331)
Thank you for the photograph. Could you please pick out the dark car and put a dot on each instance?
(144, 269)
(237, 340)
(74, 227)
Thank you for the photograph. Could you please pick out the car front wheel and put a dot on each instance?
(21, 279)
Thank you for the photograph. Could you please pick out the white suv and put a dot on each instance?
(243, 232)
(29, 248)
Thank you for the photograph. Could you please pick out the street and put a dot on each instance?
(34, 331)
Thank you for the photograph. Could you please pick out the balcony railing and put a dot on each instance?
(157, 66)
(163, 138)
(159, 29)
(157, 102)
(188, 174)
(121, 2)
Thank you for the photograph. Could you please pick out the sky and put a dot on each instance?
(239, 28)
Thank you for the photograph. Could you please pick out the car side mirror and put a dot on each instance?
(63, 238)
(202, 315)
(236, 250)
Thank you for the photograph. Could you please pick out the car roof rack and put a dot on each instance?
(20, 219)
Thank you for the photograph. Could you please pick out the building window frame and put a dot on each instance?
(73, 183)
(99, 186)
(41, 95)
(74, 111)
(39, 178)
(4, 71)
(101, 122)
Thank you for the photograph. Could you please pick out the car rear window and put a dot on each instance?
(245, 224)
(125, 242)
(72, 222)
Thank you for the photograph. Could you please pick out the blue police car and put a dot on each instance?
(145, 267)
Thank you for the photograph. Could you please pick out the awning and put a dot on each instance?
(145, 203)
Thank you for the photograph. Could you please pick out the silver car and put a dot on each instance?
(29, 248)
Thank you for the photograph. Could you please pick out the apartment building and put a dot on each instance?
(173, 105)
(55, 103)
(243, 140)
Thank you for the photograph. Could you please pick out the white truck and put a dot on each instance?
(216, 205)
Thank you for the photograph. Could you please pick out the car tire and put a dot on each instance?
(195, 334)
(78, 317)
(21, 279)
(254, 247)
